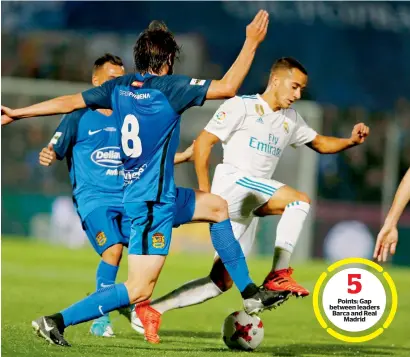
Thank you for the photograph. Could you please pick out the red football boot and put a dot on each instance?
(151, 321)
(282, 280)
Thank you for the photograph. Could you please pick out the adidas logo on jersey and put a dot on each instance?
(260, 120)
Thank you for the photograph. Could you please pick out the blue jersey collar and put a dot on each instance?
(143, 77)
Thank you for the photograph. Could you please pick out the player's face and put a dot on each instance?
(107, 72)
(289, 86)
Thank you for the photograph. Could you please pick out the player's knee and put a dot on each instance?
(113, 254)
(138, 293)
(220, 208)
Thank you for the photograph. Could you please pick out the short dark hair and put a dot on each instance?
(107, 57)
(288, 63)
(155, 47)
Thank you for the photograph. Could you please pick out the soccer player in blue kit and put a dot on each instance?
(149, 104)
(89, 140)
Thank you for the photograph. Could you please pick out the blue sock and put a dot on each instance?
(231, 253)
(96, 305)
(106, 274)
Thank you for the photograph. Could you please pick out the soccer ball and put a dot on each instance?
(241, 331)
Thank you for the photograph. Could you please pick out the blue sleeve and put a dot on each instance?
(65, 135)
(100, 97)
(182, 92)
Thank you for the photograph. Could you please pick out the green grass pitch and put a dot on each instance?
(39, 279)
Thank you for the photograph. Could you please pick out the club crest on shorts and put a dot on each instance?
(101, 238)
(259, 109)
(158, 240)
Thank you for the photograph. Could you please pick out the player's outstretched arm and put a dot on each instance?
(202, 150)
(331, 145)
(230, 83)
(187, 155)
(388, 236)
(59, 105)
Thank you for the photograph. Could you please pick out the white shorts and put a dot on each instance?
(244, 194)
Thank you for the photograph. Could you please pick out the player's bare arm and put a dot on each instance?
(47, 156)
(60, 105)
(186, 155)
(331, 145)
(388, 237)
(230, 83)
(202, 152)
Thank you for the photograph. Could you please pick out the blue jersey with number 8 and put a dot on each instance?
(149, 109)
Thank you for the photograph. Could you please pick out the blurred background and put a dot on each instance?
(357, 55)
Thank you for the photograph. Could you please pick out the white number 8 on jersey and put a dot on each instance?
(129, 132)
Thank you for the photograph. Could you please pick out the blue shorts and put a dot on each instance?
(152, 222)
(184, 206)
(106, 226)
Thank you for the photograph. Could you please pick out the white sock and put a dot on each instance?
(288, 232)
(191, 293)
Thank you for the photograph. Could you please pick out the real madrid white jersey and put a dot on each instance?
(253, 136)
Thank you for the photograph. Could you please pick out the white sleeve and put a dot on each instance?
(227, 119)
(303, 133)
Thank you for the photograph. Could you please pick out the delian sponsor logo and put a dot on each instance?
(137, 96)
(131, 176)
(109, 156)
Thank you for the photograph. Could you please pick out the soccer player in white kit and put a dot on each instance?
(254, 131)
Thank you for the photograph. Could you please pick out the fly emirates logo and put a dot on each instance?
(268, 147)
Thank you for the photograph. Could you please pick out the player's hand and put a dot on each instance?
(47, 156)
(6, 115)
(386, 242)
(189, 152)
(257, 29)
(359, 133)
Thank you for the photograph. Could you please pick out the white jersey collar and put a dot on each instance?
(266, 107)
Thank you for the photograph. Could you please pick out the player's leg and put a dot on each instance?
(218, 281)
(103, 232)
(128, 312)
(145, 264)
(143, 274)
(246, 231)
(155, 241)
(198, 206)
(208, 207)
(193, 292)
(213, 208)
(199, 290)
(294, 207)
(190, 293)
